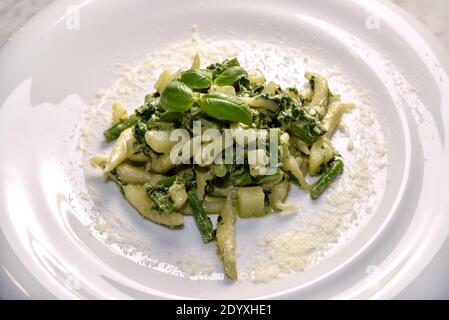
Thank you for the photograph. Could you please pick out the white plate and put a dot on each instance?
(50, 74)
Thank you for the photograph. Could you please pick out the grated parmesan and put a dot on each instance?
(310, 235)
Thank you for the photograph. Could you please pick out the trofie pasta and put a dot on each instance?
(219, 140)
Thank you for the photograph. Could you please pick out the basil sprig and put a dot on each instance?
(177, 97)
(202, 79)
(230, 75)
(197, 78)
(225, 107)
(218, 68)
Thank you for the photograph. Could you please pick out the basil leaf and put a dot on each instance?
(225, 107)
(230, 75)
(218, 68)
(176, 97)
(197, 78)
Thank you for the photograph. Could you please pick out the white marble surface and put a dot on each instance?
(433, 13)
(14, 13)
(433, 283)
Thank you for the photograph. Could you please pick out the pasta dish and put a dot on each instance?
(222, 141)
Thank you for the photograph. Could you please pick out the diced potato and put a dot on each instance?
(213, 204)
(251, 202)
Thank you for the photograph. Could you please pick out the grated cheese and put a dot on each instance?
(311, 234)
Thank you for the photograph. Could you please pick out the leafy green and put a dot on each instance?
(160, 197)
(197, 78)
(301, 124)
(148, 109)
(295, 119)
(218, 68)
(177, 97)
(170, 116)
(219, 170)
(151, 97)
(241, 177)
(244, 87)
(225, 107)
(139, 131)
(230, 75)
(197, 114)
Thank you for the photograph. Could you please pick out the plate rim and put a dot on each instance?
(441, 52)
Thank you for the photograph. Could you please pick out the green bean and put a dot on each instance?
(168, 181)
(202, 220)
(332, 171)
(115, 131)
